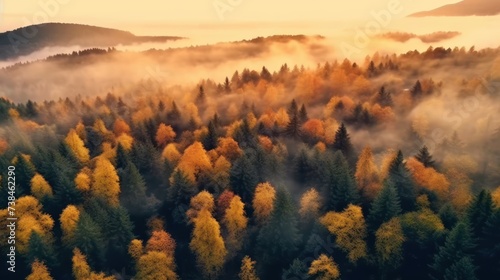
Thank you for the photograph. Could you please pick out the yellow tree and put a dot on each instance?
(324, 268)
(171, 153)
(367, 176)
(39, 272)
(207, 244)
(39, 187)
(247, 270)
(31, 218)
(164, 135)
(310, 203)
(155, 265)
(194, 161)
(263, 201)
(229, 148)
(349, 229)
(106, 181)
(235, 223)
(126, 141)
(135, 249)
(202, 201)
(161, 241)
(389, 243)
(496, 196)
(75, 143)
(82, 271)
(69, 220)
(83, 181)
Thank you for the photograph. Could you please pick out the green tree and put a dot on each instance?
(243, 179)
(400, 176)
(278, 239)
(342, 142)
(489, 247)
(89, 239)
(210, 140)
(385, 206)
(425, 157)
(341, 189)
(179, 195)
(42, 250)
(479, 211)
(458, 245)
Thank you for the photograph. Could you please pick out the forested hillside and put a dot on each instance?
(373, 170)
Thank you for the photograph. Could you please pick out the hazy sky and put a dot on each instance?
(116, 13)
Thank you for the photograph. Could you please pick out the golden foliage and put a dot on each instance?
(69, 220)
(314, 129)
(263, 201)
(388, 158)
(389, 242)
(194, 161)
(496, 196)
(39, 187)
(108, 151)
(83, 180)
(4, 146)
(126, 141)
(82, 271)
(135, 249)
(310, 203)
(171, 153)
(142, 115)
(266, 143)
(156, 265)
(39, 272)
(31, 218)
(121, 127)
(252, 120)
(324, 268)
(221, 172)
(161, 241)
(235, 223)
(460, 190)
(247, 270)
(106, 180)
(428, 177)
(13, 113)
(77, 146)
(164, 135)
(366, 175)
(202, 201)
(320, 146)
(350, 231)
(100, 127)
(80, 130)
(207, 244)
(229, 148)
(282, 118)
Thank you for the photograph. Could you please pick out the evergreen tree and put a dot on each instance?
(303, 116)
(448, 216)
(89, 239)
(293, 110)
(227, 85)
(119, 233)
(342, 142)
(416, 91)
(25, 170)
(243, 179)
(210, 140)
(42, 250)
(303, 168)
(292, 129)
(179, 195)
(341, 189)
(489, 247)
(384, 97)
(425, 157)
(297, 270)
(459, 244)
(385, 207)
(201, 98)
(479, 211)
(174, 114)
(463, 269)
(278, 239)
(400, 176)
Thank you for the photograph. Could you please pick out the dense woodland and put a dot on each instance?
(303, 173)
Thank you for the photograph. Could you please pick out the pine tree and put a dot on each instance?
(459, 244)
(425, 157)
(489, 247)
(278, 239)
(385, 207)
(342, 142)
(89, 239)
(341, 189)
(243, 179)
(303, 168)
(303, 116)
(106, 181)
(324, 268)
(292, 129)
(133, 192)
(400, 176)
(478, 212)
(297, 270)
(179, 195)
(42, 250)
(39, 271)
(77, 146)
(416, 91)
(24, 171)
(210, 140)
(227, 85)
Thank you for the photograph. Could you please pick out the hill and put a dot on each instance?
(29, 39)
(464, 8)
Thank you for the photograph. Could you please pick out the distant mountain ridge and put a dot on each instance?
(29, 39)
(464, 8)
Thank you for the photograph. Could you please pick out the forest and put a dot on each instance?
(380, 169)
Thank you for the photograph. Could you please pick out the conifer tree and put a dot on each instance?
(400, 176)
(247, 270)
(425, 157)
(243, 179)
(341, 189)
(39, 271)
(278, 239)
(342, 141)
(385, 207)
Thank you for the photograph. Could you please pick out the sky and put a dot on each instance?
(130, 14)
